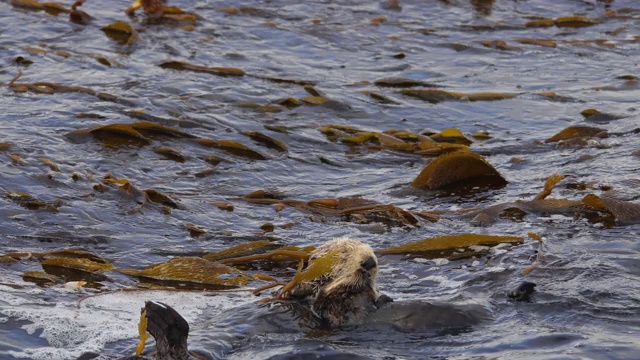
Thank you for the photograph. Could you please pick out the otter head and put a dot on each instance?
(347, 294)
(354, 271)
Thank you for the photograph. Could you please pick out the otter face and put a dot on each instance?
(355, 270)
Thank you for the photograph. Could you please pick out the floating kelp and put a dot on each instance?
(271, 108)
(448, 242)
(219, 71)
(436, 96)
(157, 10)
(51, 164)
(266, 140)
(249, 248)
(496, 44)
(193, 270)
(286, 81)
(17, 160)
(121, 32)
(395, 140)
(79, 16)
(379, 97)
(194, 231)
(540, 42)
(400, 82)
(222, 205)
(213, 160)
(595, 116)
(316, 100)
(456, 167)
(623, 212)
(590, 207)
(152, 129)
(451, 135)
(264, 194)
(481, 136)
(38, 277)
(71, 253)
(5, 146)
(576, 132)
(52, 8)
(232, 147)
(551, 182)
(575, 21)
(82, 264)
(171, 154)
(565, 21)
(160, 198)
(30, 202)
(289, 103)
(282, 254)
(114, 135)
(355, 210)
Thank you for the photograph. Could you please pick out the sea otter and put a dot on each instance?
(347, 294)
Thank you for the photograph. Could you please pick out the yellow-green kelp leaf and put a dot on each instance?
(448, 242)
(220, 71)
(266, 140)
(160, 198)
(540, 42)
(5, 146)
(361, 138)
(171, 154)
(38, 277)
(30, 202)
(111, 134)
(400, 82)
(82, 264)
(318, 267)
(574, 21)
(379, 97)
(576, 131)
(233, 147)
(436, 96)
(122, 32)
(139, 132)
(148, 128)
(142, 332)
(315, 100)
(624, 212)
(454, 167)
(551, 182)
(71, 253)
(244, 249)
(191, 269)
(540, 23)
(451, 135)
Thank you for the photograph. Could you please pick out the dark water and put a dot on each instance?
(588, 294)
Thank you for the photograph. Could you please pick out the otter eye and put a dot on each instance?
(369, 263)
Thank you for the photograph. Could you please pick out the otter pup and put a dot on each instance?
(347, 294)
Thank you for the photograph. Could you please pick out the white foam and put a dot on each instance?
(71, 330)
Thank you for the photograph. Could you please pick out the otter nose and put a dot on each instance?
(369, 263)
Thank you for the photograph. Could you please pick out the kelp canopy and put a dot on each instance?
(202, 150)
